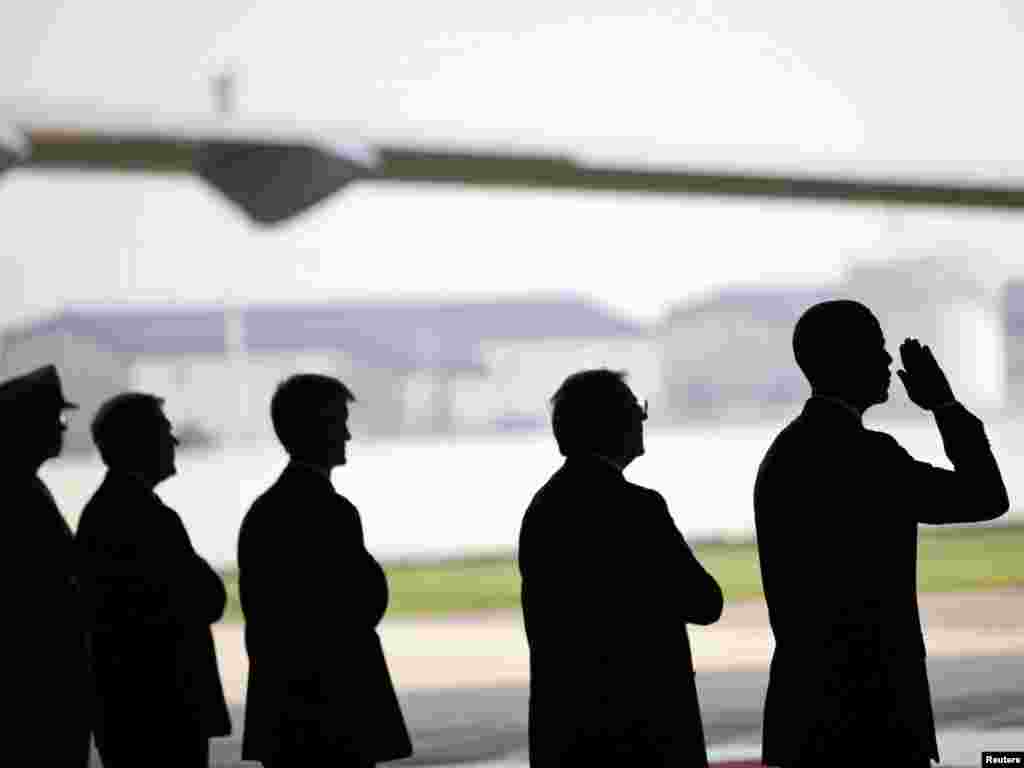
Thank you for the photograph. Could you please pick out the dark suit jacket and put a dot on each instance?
(47, 680)
(152, 601)
(312, 597)
(836, 509)
(609, 585)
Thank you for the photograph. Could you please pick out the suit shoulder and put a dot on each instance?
(537, 501)
(264, 500)
(790, 454)
(345, 502)
(541, 512)
(109, 512)
(883, 440)
(93, 507)
(92, 517)
(645, 495)
(281, 492)
(551, 487)
(790, 435)
(261, 510)
(797, 442)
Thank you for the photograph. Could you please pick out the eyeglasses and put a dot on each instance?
(642, 408)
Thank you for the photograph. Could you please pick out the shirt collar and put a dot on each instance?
(842, 404)
(595, 458)
(134, 479)
(322, 471)
(607, 461)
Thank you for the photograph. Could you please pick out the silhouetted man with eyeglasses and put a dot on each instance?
(837, 508)
(609, 585)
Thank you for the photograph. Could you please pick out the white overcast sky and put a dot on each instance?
(909, 90)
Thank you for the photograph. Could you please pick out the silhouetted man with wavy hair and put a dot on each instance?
(836, 509)
(319, 688)
(609, 585)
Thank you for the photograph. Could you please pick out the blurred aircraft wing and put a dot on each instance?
(552, 172)
(273, 174)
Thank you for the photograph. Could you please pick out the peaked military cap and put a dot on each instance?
(35, 388)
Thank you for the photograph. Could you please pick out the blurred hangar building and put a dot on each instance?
(415, 368)
(729, 355)
(489, 367)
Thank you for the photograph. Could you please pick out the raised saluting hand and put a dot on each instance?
(926, 384)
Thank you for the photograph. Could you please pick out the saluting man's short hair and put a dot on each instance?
(822, 332)
(298, 404)
(584, 409)
(115, 427)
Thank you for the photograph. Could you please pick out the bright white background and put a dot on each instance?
(917, 90)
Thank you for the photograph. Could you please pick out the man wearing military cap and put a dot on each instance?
(48, 667)
(40, 387)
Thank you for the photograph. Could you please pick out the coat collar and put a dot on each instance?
(304, 466)
(307, 473)
(821, 407)
(128, 481)
(593, 463)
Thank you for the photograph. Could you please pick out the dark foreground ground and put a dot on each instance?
(984, 694)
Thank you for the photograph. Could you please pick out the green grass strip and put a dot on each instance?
(949, 560)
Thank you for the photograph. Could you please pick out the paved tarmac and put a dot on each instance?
(463, 680)
(979, 704)
(486, 650)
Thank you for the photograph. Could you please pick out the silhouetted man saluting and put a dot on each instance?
(837, 508)
(609, 585)
(46, 681)
(319, 688)
(152, 600)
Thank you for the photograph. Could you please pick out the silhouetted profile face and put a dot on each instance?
(310, 416)
(32, 408)
(635, 416)
(134, 436)
(43, 429)
(56, 421)
(39, 431)
(336, 436)
(840, 347)
(164, 447)
(595, 412)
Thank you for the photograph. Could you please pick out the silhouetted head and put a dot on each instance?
(840, 347)
(595, 412)
(134, 436)
(32, 410)
(310, 416)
